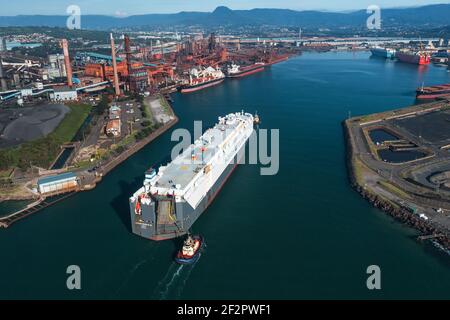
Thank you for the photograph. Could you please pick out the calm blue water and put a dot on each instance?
(303, 233)
(62, 158)
(400, 156)
(381, 135)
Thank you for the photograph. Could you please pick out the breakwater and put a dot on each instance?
(399, 213)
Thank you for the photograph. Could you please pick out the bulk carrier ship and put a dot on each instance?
(173, 198)
(414, 57)
(202, 79)
(236, 71)
(433, 92)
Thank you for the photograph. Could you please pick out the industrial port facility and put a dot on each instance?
(131, 76)
(112, 102)
(264, 153)
(399, 161)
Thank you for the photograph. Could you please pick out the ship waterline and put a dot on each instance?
(172, 200)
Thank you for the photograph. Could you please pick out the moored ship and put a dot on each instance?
(236, 71)
(201, 79)
(440, 57)
(173, 197)
(383, 52)
(433, 92)
(414, 57)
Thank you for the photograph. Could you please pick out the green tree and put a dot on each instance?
(102, 106)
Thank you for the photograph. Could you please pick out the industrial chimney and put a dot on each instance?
(65, 47)
(129, 65)
(3, 83)
(116, 77)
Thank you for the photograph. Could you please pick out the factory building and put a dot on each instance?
(64, 94)
(56, 67)
(105, 71)
(84, 58)
(3, 44)
(138, 79)
(61, 183)
(26, 92)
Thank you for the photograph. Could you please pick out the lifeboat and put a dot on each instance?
(190, 252)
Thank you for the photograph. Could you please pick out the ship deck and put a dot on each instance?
(182, 170)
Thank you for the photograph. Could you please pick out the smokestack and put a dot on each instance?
(128, 56)
(3, 84)
(65, 47)
(116, 77)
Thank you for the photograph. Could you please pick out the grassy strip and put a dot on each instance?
(394, 189)
(147, 115)
(165, 105)
(358, 170)
(42, 152)
(4, 174)
(72, 122)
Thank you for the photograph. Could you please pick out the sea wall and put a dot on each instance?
(398, 213)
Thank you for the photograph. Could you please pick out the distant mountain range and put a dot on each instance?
(425, 16)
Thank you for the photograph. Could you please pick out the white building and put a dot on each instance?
(65, 182)
(26, 92)
(57, 67)
(64, 94)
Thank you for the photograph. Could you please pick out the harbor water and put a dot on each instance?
(300, 234)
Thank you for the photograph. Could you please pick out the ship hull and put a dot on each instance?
(431, 96)
(382, 54)
(433, 92)
(413, 59)
(201, 86)
(186, 215)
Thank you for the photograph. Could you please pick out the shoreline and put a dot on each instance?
(395, 211)
(104, 169)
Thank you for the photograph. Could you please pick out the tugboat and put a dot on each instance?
(190, 251)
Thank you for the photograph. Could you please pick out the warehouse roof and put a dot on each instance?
(59, 177)
(101, 56)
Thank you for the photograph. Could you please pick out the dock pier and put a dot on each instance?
(34, 207)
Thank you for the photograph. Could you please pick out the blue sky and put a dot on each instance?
(128, 7)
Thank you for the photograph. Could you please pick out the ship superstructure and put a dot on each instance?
(173, 198)
(236, 71)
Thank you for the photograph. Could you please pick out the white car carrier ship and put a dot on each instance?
(173, 198)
